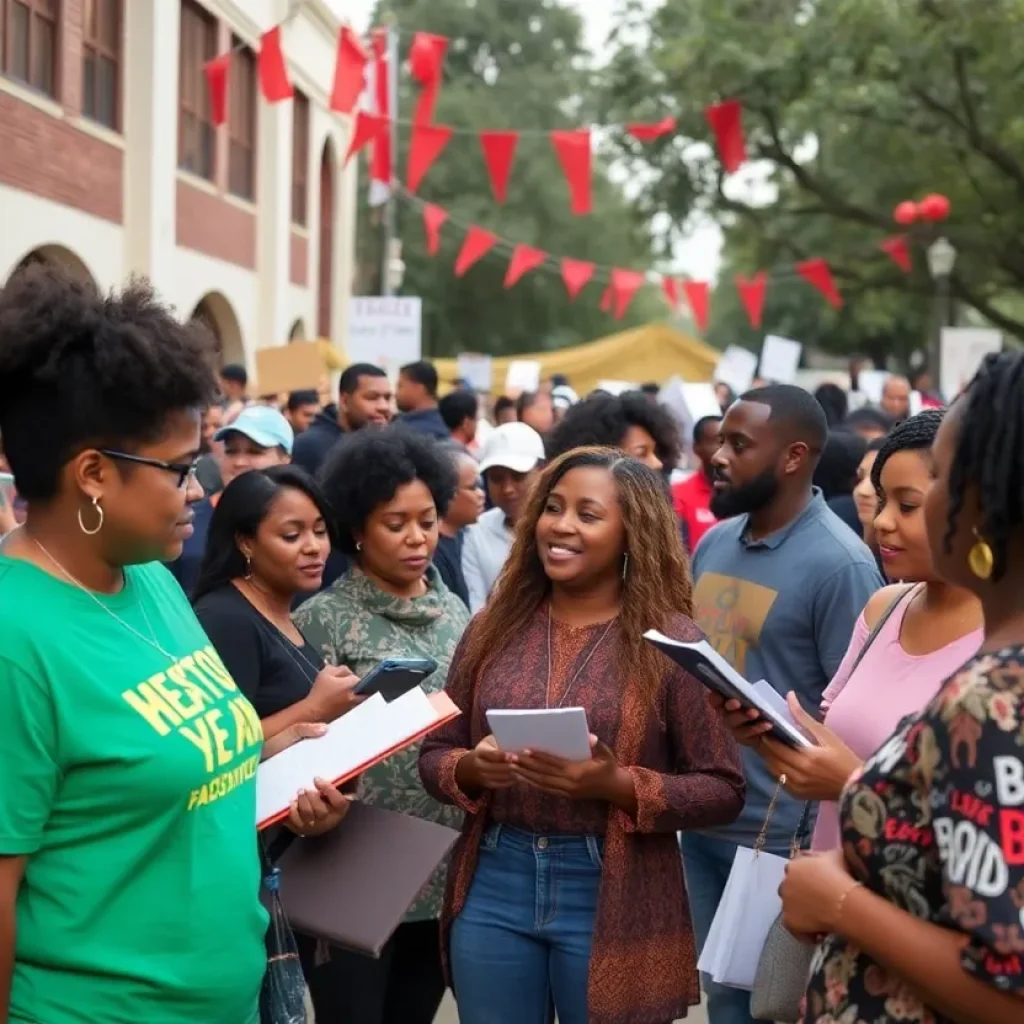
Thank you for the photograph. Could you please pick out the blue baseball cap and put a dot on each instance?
(263, 425)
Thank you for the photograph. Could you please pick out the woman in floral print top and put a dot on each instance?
(388, 489)
(923, 907)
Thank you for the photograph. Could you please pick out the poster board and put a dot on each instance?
(477, 370)
(285, 368)
(736, 368)
(385, 331)
(780, 359)
(962, 352)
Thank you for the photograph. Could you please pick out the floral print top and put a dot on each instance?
(356, 624)
(934, 823)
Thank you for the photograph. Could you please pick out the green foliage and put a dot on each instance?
(512, 64)
(852, 106)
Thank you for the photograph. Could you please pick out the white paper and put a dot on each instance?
(871, 383)
(704, 663)
(523, 376)
(385, 331)
(963, 349)
(353, 740)
(616, 387)
(700, 401)
(561, 732)
(780, 359)
(736, 368)
(477, 370)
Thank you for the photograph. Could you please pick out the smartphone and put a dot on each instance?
(395, 676)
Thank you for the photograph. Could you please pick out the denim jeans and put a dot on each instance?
(521, 944)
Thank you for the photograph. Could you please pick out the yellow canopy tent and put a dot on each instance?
(653, 352)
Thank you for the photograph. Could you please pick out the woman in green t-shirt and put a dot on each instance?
(129, 875)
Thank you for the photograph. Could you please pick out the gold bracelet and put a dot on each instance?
(842, 903)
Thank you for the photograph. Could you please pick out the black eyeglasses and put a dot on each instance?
(183, 469)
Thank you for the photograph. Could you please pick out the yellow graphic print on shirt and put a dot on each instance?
(732, 613)
(197, 699)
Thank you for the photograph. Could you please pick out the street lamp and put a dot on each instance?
(941, 259)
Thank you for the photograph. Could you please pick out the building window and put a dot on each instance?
(29, 36)
(300, 158)
(101, 52)
(242, 123)
(196, 134)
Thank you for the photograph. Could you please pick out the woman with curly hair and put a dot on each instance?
(388, 490)
(566, 885)
(631, 422)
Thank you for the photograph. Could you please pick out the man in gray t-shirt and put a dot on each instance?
(777, 589)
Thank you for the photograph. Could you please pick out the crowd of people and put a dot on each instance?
(192, 579)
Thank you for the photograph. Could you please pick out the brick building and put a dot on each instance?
(110, 163)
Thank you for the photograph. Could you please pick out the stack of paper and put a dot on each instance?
(561, 732)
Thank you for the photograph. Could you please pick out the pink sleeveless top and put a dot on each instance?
(864, 708)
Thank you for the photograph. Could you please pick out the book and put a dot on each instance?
(561, 732)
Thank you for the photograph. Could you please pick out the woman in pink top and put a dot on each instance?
(907, 641)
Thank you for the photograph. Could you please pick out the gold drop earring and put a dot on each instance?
(980, 557)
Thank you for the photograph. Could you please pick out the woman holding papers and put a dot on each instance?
(567, 886)
(388, 488)
(922, 907)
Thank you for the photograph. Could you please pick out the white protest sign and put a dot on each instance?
(871, 383)
(523, 376)
(780, 359)
(615, 387)
(963, 349)
(700, 401)
(477, 370)
(387, 332)
(736, 368)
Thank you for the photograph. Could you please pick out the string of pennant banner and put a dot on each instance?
(360, 91)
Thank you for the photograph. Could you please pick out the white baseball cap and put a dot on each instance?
(515, 446)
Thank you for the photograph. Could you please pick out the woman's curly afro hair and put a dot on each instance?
(601, 420)
(366, 468)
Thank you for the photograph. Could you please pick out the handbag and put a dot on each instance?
(785, 962)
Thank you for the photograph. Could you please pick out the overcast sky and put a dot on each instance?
(699, 255)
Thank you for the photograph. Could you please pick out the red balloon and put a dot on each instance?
(905, 213)
(934, 206)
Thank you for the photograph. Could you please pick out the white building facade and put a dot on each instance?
(110, 162)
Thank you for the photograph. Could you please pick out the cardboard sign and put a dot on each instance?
(286, 368)
(736, 368)
(780, 359)
(385, 331)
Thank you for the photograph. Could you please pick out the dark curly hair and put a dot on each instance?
(916, 434)
(366, 468)
(601, 420)
(82, 370)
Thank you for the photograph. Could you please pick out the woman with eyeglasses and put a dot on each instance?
(129, 877)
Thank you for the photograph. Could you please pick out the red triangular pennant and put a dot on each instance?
(433, 218)
(367, 127)
(649, 132)
(524, 259)
(898, 251)
(272, 69)
(425, 146)
(698, 295)
(671, 290)
(426, 57)
(380, 159)
(817, 274)
(217, 80)
(726, 121)
(499, 150)
(573, 149)
(752, 291)
(476, 245)
(576, 274)
(349, 72)
(625, 284)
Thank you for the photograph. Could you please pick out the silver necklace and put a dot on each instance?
(579, 671)
(151, 640)
(291, 649)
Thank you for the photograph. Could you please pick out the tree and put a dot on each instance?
(518, 65)
(853, 106)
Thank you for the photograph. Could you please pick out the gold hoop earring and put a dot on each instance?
(99, 525)
(980, 558)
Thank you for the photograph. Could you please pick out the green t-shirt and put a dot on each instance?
(129, 784)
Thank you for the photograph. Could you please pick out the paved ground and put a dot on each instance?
(448, 1015)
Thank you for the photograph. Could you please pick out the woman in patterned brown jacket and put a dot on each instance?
(566, 887)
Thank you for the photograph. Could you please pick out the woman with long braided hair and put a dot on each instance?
(567, 886)
(923, 907)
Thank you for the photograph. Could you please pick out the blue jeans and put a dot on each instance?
(522, 941)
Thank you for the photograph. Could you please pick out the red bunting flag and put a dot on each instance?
(524, 259)
(752, 291)
(625, 284)
(671, 290)
(425, 146)
(817, 274)
(477, 244)
(349, 72)
(217, 80)
(897, 249)
(499, 150)
(433, 219)
(367, 128)
(272, 69)
(649, 132)
(381, 171)
(426, 58)
(726, 121)
(607, 297)
(576, 274)
(573, 150)
(698, 295)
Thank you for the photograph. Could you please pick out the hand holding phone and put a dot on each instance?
(395, 676)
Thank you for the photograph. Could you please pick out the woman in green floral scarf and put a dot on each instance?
(388, 488)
